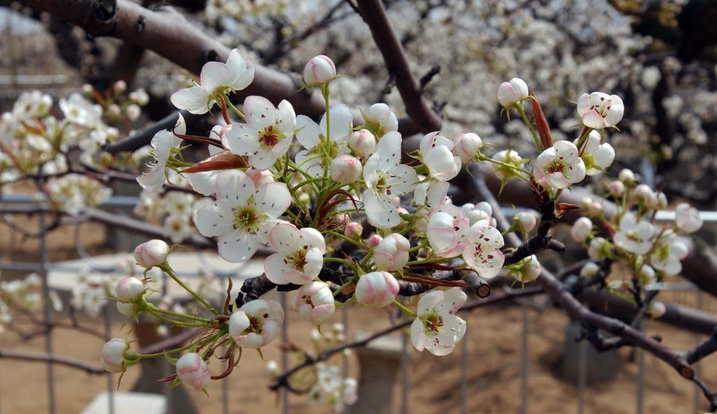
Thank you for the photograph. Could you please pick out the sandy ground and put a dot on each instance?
(493, 368)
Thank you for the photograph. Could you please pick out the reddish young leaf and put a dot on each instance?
(426, 280)
(543, 129)
(225, 160)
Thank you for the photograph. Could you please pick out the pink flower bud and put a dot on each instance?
(646, 196)
(114, 110)
(353, 230)
(374, 240)
(466, 146)
(129, 289)
(319, 70)
(392, 253)
(113, 355)
(127, 309)
(314, 302)
(345, 169)
(687, 218)
(509, 93)
(581, 229)
(616, 188)
(362, 143)
(193, 371)
(152, 253)
(526, 221)
(133, 112)
(120, 86)
(376, 289)
(626, 176)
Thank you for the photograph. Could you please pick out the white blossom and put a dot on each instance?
(267, 134)
(215, 79)
(600, 110)
(559, 166)
(242, 215)
(437, 328)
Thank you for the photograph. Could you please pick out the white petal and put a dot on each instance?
(205, 183)
(380, 210)
(314, 263)
(234, 187)
(192, 99)
(286, 120)
(259, 112)
(274, 267)
(418, 338)
(341, 123)
(237, 246)
(314, 238)
(241, 139)
(308, 133)
(583, 104)
(215, 74)
(592, 119)
(211, 221)
(285, 238)
(429, 301)
(153, 180)
(273, 199)
(402, 179)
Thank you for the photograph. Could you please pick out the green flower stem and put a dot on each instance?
(583, 138)
(310, 181)
(299, 170)
(405, 310)
(234, 108)
(176, 322)
(364, 262)
(168, 270)
(417, 248)
(178, 315)
(506, 165)
(351, 300)
(185, 347)
(345, 238)
(521, 111)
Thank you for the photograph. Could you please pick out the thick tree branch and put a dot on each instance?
(580, 313)
(396, 61)
(167, 33)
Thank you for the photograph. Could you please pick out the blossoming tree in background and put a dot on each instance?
(349, 212)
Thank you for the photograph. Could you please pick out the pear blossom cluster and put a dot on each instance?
(651, 251)
(19, 296)
(347, 219)
(329, 387)
(59, 144)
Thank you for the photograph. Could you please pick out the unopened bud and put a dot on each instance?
(319, 70)
(152, 253)
(362, 143)
(345, 169)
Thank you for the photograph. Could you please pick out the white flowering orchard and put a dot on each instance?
(348, 215)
